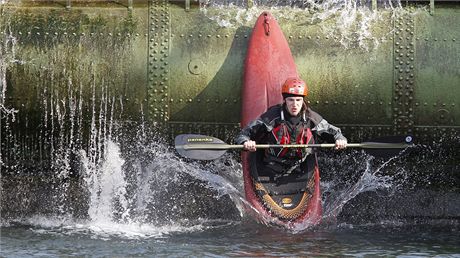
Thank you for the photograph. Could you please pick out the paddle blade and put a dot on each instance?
(388, 146)
(182, 143)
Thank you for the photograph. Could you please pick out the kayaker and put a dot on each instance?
(291, 122)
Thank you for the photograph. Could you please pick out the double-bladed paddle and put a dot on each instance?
(202, 147)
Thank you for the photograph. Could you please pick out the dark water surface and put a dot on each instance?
(40, 237)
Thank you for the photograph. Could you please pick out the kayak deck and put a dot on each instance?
(284, 195)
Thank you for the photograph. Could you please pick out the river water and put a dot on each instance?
(42, 237)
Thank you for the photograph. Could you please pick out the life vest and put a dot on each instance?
(283, 135)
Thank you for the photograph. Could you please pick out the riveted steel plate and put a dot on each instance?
(438, 68)
(348, 83)
(404, 73)
(159, 65)
(206, 64)
(195, 66)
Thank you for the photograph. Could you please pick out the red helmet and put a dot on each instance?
(294, 86)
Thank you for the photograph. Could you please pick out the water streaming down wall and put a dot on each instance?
(73, 84)
(79, 82)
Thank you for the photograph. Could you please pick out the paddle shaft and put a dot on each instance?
(202, 147)
(265, 146)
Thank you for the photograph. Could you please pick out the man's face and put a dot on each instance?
(294, 105)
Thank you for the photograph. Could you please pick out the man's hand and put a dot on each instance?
(340, 144)
(249, 145)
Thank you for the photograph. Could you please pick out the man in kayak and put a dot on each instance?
(291, 122)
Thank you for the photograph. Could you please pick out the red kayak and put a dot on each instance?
(292, 200)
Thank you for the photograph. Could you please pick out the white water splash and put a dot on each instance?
(350, 22)
(371, 179)
(368, 181)
(124, 201)
(119, 207)
(107, 186)
(107, 230)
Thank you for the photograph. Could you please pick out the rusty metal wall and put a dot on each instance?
(169, 63)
